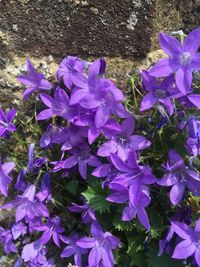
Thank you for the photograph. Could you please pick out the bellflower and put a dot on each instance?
(183, 59)
(51, 229)
(132, 176)
(191, 241)
(34, 164)
(183, 214)
(68, 69)
(158, 92)
(73, 249)
(88, 214)
(6, 239)
(31, 251)
(121, 195)
(49, 137)
(6, 124)
(101, 245)
(105, 99)
(193, 141)
(82, 157)
(5, 180)
(123, 142)
(26, 205)
(57, 106)
(180, 177)
(84, 85)
(106, 171)
(34, 81)
(45, 189)
(18, 229)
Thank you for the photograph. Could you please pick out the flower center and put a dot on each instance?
(103, 102)
(160, 93)
(122, 140)
(185, 58)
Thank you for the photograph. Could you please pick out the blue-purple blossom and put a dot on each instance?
(123, 141)
(69, 68)
(73, 249)
(34, 81)
(5, 179)
(183, 59)
(51, 229)
(6, 124)
(45, 189)
(101, 245)
(18, 229)
(193, 141)
(180, 177)
(57, 106)
(161, 92)
(82, 157)
(6, 239)
(191, 241)
(88, 214)
(26, 205)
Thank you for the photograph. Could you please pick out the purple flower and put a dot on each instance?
(57, 106)
(193, 141)
(32, 250)
(20, 184)
(183, 59)
(49, 137)
(68, 70)
(132, 176)
(179, 177)
(18, 229)
(183, 214)
(34, 164)
(123, 142)
(107, 171)
(191, 241)
(101, 245)
(5, 179)
(6, 124)
(131, 211)
(85, 85)
(34, 82)
(82, 157)
(105, 99)
(26, 205)
(73, 249)
(87, 215)
(45, 189)
(51, 229)
(6, 239)
(158, 92)
(121, 195)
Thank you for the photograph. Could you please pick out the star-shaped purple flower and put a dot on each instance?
(51, 229)
(68, 70)
(180, 177)
(73, 249)
(183, 59)
(34, 81)
(82, 157)
(57, 106)
(6, 124)
(158, 92)
(5, 180)
(191, 241)
(101, 245)
(122, 142)
(26, 205)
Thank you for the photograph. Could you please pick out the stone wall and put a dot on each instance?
(123, 31)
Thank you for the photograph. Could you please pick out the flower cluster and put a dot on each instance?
(100, 140)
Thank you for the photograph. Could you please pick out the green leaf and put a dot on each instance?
(96, 199)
